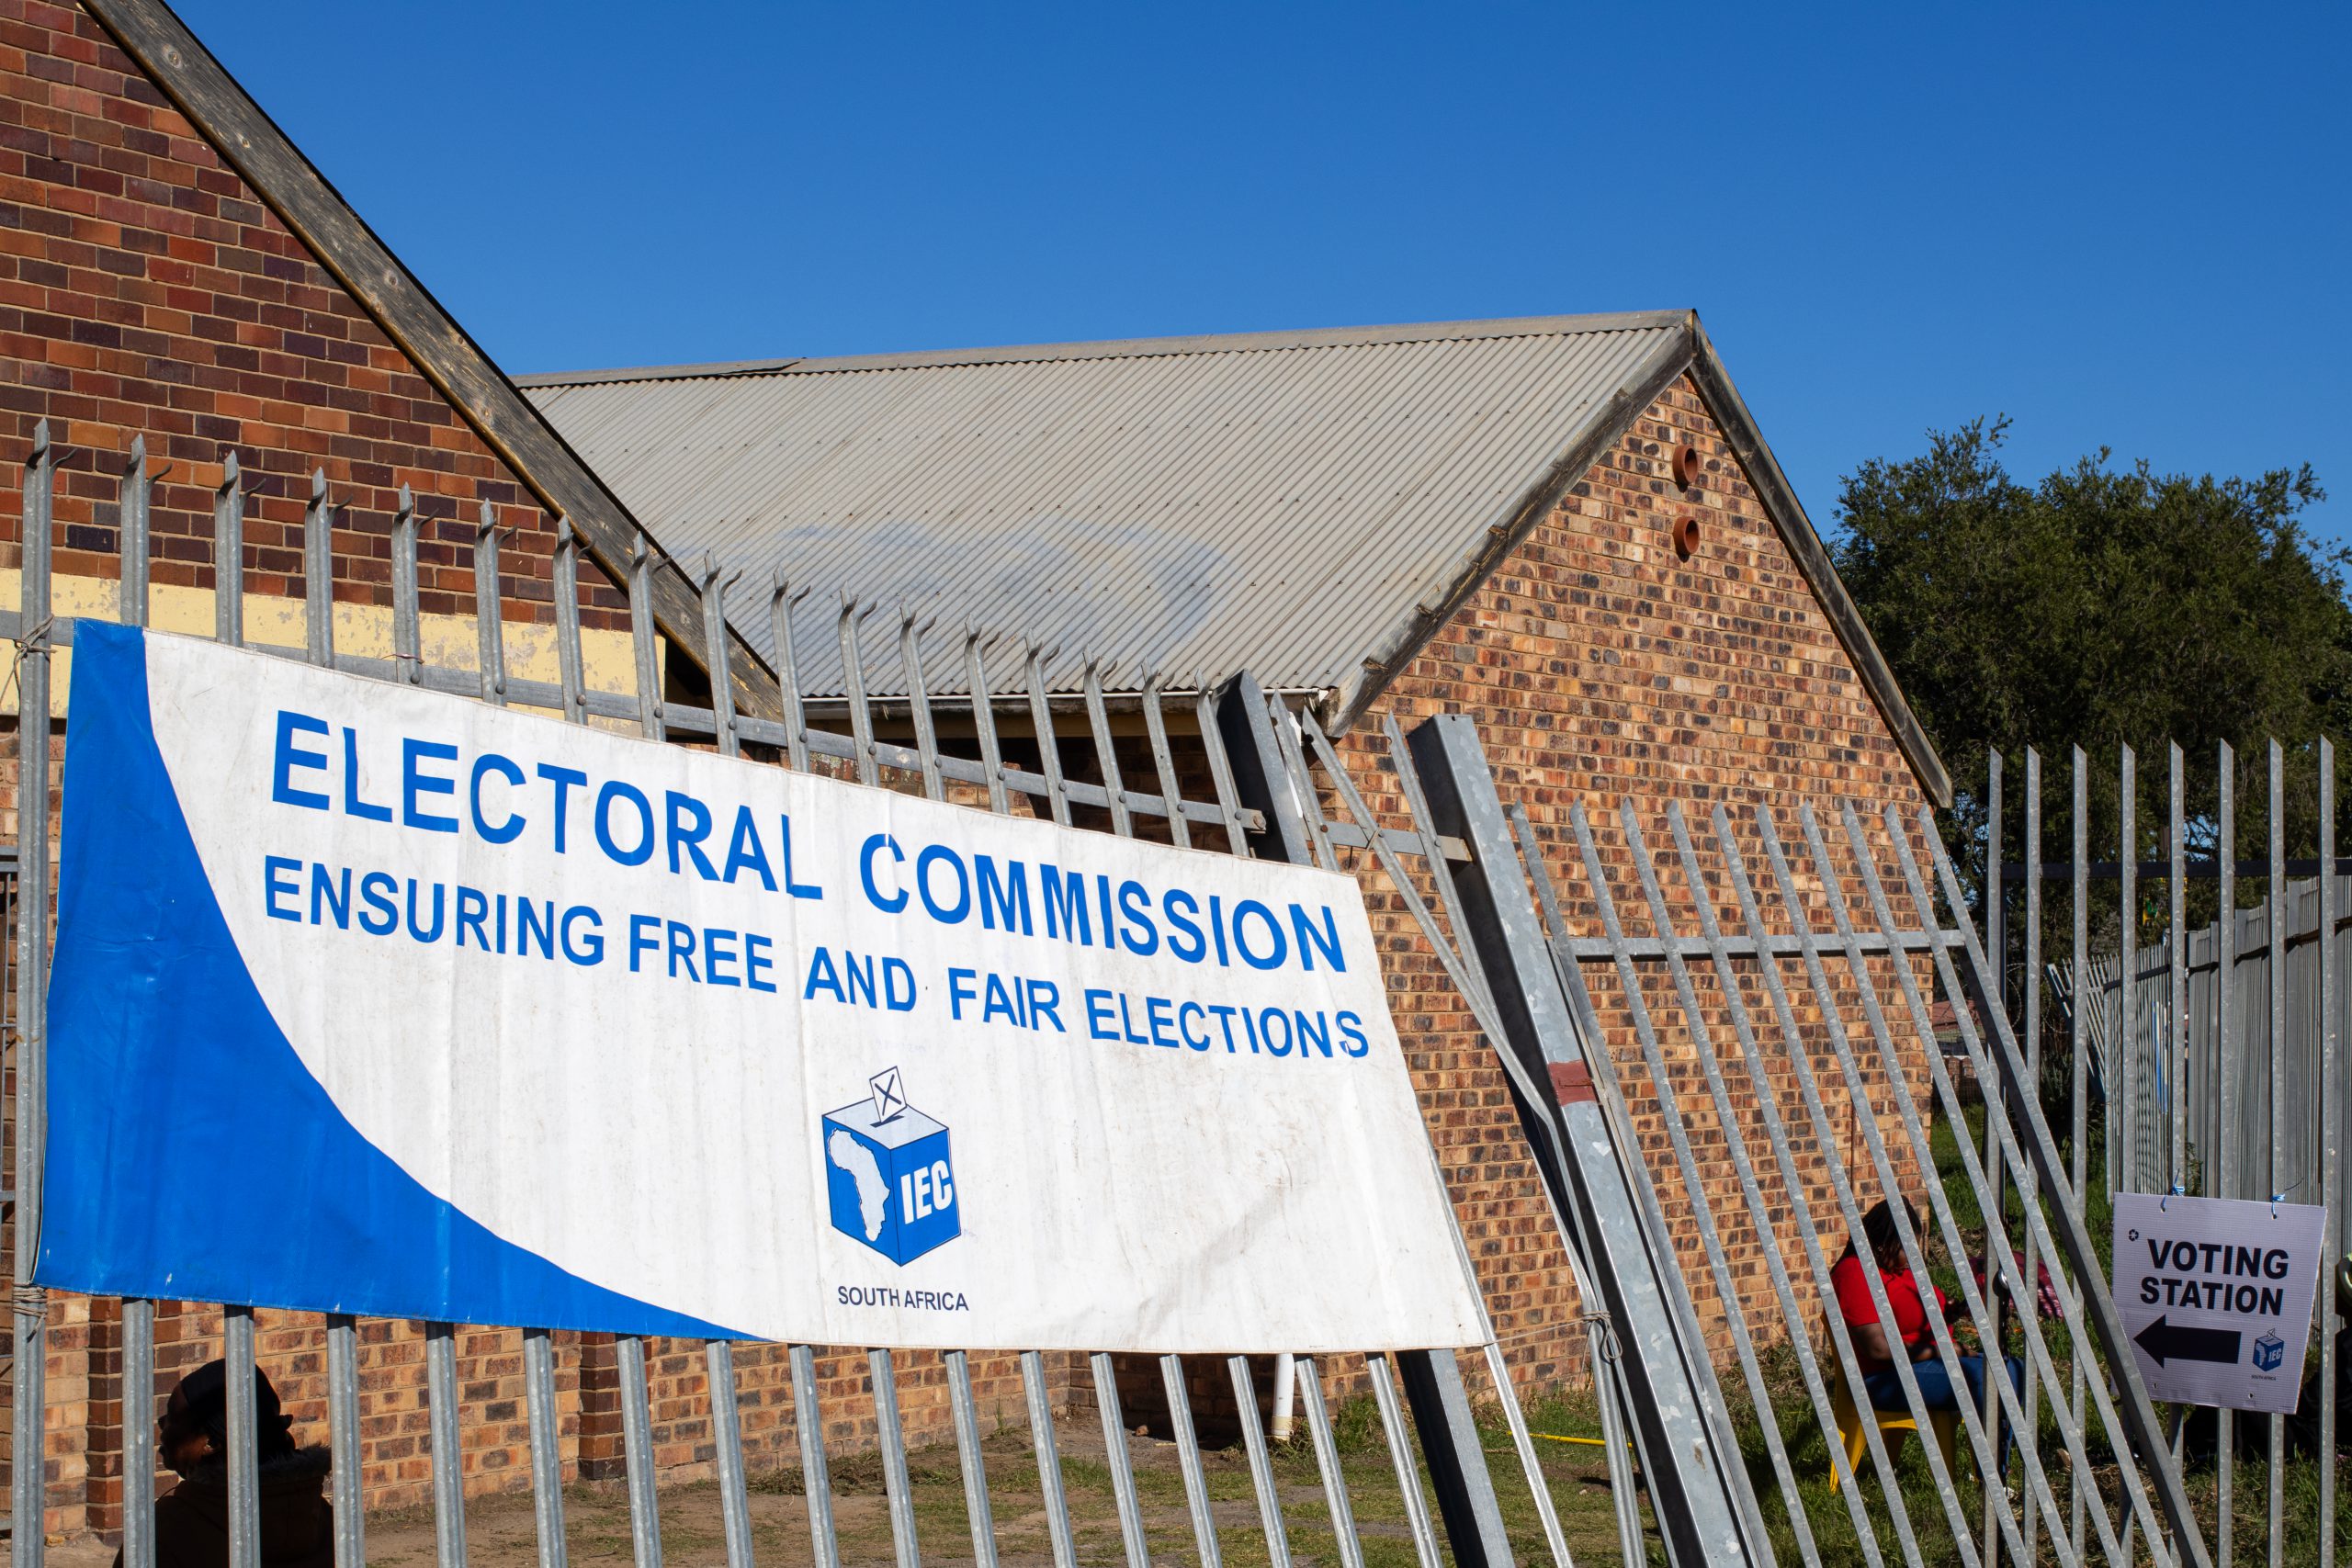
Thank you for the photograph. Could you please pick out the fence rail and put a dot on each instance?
(1249, 748)
(2218, 1065)
(2295, 1142)
(1494, 916)
(1888, 879)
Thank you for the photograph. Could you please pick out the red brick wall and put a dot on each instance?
(145, 291)
(1600, 666)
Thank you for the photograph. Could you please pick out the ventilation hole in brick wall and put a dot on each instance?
(1686, 466)
(1685, 538)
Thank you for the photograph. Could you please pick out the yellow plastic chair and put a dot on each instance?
(1891, 1424)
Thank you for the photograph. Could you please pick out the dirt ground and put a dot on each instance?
(500, 1532)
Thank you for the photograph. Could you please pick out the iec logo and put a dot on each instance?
(888, 1174)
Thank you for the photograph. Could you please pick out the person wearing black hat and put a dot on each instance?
(192, 1519)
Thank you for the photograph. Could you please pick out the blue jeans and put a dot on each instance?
(1936, 1392)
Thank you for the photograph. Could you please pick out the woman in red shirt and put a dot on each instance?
(1938, 1386)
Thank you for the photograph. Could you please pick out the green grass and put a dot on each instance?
(1823, 1502)
(1574, 1475)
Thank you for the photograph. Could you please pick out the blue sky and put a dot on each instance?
(2123, 227)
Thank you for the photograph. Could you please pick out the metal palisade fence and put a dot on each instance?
(1833, 1113)
(1782, 1012)
(1252, 751)
(1720, 1031)
(2202, 1009)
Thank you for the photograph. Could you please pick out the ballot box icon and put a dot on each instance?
(890, 1181)
(889, 1095)
(2268, 1352)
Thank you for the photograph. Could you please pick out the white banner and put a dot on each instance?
(372, 999)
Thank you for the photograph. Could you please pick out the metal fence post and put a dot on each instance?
(1114, 1432)
(977, 1513)
(138, 1434)
(2275, 935)
(546, 1454)
(1434, 1389)
(636, 1416)
(643, 638)
(1466, 1504)
(848, 628)
(976, 676)
(1188, 1458)
(1996, 944)
(2331, 1138)
(2028, 1188)
(408, 633)
(1049, 1463)
(317, 572)
(727, 1434)
(1256, 759)
(2223, 1183)
(571, 673)
(343, 1440)
(2129, 1414)
(782, 597)
(229, 554)
(1327, 1460)
(139, 1314)
(637, 1446)
(2079, 1039)
(448, 1442)
(1163, 764)
(138, 492)
(1677, 1134)
(1106, 755)
(2128, 923)
(1262, 1466)
(1400, 1454)
(245, 1461)
(1698, 1484)
(490, 624)
(28, 1498)
(816, 1483)
(898, 1486)
(2172, 1108)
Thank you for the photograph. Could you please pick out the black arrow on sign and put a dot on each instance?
(2162, 1340)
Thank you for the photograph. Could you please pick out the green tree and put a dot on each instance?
(2101, 607)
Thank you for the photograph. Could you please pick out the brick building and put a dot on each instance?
(1476, 517)
(1567, 528)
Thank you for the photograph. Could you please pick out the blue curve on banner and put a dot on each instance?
(191, 1154)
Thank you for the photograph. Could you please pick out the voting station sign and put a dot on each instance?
(2215, 1296)
(371, 999)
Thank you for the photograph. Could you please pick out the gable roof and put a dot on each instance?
(1308, 506)
(263, 156)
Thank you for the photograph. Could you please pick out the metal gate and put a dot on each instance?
(1254, 768)
(1738, 998)
(1750, 921)
(2207, 1059)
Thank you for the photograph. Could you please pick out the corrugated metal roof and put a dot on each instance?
(1278, 502)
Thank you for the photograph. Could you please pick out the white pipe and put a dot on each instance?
(1286, 1386)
